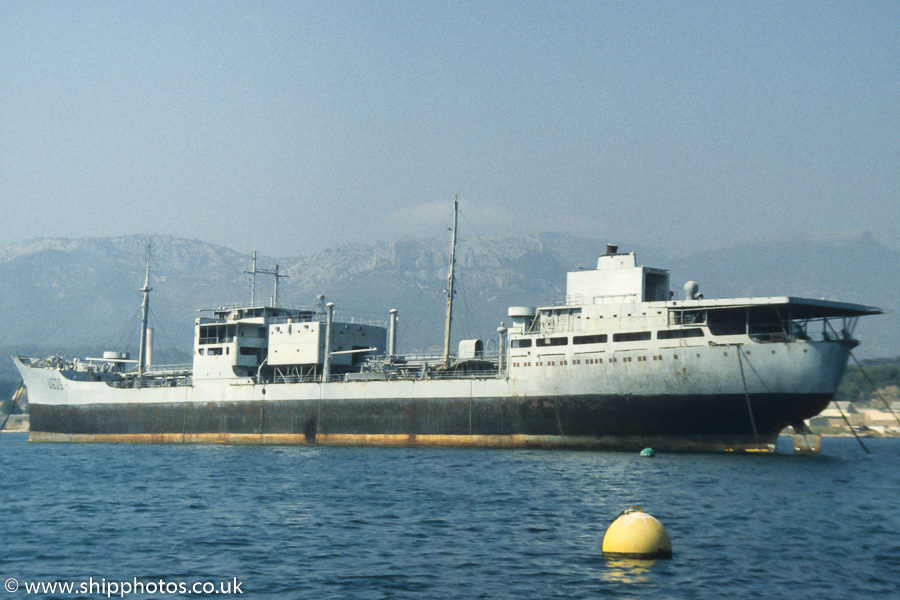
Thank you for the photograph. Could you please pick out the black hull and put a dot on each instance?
(720, 422)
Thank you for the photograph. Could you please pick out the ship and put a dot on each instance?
(618, 363)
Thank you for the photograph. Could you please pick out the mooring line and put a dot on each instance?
(747, 393)
(875, 389)
(12, 405)
(853, 431)
(5, 419)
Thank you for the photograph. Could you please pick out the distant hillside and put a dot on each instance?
(878, 382)
(67, 293)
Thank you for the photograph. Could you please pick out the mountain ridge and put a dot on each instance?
(80, 291)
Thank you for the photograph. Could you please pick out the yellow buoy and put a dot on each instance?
(635, 534)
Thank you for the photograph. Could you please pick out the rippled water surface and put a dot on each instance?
(358, 523)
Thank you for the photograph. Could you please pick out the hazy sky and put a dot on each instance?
(288, 126)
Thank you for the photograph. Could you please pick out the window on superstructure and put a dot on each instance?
(656, 287)
(207, 334)
(728, 321)
(767, 320)
(590, 339)
(250, 331)
(217, 334)
(554, 341)
(631, 336)
(521, 343)
(672, 334)
(687, 317)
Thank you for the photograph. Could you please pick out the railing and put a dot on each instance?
(297, 319)
(340, 318)
(435, 359)
(174, 368)
(292, 378)
(50, 362)
(559, 300)
(579, 300)
(151, 382)
(237, 305)
(421, 369)
(212, 340)
(388, 376)
(428, 375)
(801, 335)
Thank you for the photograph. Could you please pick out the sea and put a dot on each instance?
(216, 521)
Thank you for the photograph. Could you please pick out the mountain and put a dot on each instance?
(61, 293)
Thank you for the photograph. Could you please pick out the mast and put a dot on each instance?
(253, 285)
(277, 277)
(145, 313)
(275, 291)
(450, 286)
(264, 272)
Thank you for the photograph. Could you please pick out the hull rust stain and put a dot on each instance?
(730, 444)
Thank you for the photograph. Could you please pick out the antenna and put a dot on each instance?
(253, 285)
(264, 272)
(277, 277)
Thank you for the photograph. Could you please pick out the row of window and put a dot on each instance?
(557, 362)
(243, 351)
(225, 334)
(630, 336)
(586, 361)
(217, 334)
(213, 351)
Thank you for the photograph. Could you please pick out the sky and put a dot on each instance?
(289, 127)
